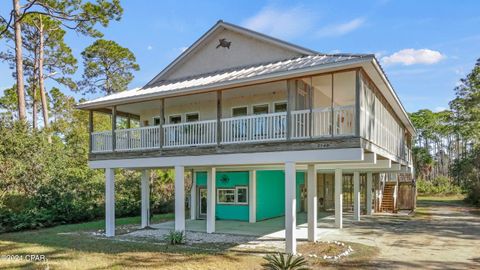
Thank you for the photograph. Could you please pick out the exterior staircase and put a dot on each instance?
(388, 202)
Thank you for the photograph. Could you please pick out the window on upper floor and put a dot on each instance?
(280, 107)
(260, 109)
(239, 111)
(175, 119)
(192, 117)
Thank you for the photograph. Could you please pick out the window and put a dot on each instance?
(156, 121)
(192, 117)
(239, 111)
(260, 109)
(226, 196)
(242, 195)
(280, 107)
(175, 119)
(237, 195)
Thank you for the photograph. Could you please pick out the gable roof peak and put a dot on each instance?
(234, 28)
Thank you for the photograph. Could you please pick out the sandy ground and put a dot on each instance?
(441, 236)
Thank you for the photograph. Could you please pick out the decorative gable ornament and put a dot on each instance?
(224, 179)
(223, 43)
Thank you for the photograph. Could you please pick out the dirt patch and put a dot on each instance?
(443, 234)
(324, 249)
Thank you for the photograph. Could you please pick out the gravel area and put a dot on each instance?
(218, 240)
(192, 237)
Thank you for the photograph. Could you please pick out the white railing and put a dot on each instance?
(190, 134)
(265, 127)
(344, 120)
(137, 138)
(244, 129)
(101, 141)
(322, 122)
(300, 124)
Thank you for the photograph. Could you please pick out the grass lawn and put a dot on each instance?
(74, 247)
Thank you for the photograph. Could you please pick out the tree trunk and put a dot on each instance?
(19, 62)
(34, 92)
(34, 107)
(41, 77)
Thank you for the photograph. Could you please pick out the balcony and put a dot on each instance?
(271, 127)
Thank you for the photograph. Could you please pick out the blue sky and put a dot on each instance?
(425, 47)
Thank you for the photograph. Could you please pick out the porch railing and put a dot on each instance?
(344, 120)
(190, 134)
(317, 124)
(244, 129)
(264, 127)
(101, 141)
(137, 138)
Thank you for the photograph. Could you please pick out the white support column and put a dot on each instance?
(252, 196)
(312, 202)
(109, 202)
(356, 196)
(145, 195)
(369, 193)
(211, 191)
(193, 197)
(290, 209)
(338, 199)
(179, 198)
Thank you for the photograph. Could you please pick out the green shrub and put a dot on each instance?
(473, 195)
(49, 183)
(285, 262)
(437, 186)
(175, 238)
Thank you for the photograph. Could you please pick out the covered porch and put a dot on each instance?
(352, 161)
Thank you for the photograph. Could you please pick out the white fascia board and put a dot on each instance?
(229, 84)
(309, 156)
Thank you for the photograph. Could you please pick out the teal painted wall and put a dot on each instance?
(228, 211)
(271, 193)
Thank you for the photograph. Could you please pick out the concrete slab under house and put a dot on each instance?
(268, 129)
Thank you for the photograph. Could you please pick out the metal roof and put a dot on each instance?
(232, 75)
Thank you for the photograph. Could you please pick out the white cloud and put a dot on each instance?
(341, 29)
(411, 56)
(282, 23)
(149, 47)
(379, 54)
